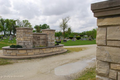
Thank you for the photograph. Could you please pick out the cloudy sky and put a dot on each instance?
(51, 12)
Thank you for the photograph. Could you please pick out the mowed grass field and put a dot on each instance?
(7, 42)
(78, 42)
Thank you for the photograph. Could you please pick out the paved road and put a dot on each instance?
(58, 67)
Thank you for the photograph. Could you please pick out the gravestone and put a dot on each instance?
(85, 35)
(61, 38)
(11, 38)
(6, 36)
(85, 39)
(64, 40)
(74, 39)
(56, 38)
(90, 38)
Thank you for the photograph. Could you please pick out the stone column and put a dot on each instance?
(24, 37)
(108, 39)
(50, 35)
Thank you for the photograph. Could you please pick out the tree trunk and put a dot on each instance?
(10, 32)
(64, 34)
(4, 31)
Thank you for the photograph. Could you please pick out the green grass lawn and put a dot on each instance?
(78, 42)
(88, 74)
(7, 42)
(5, 62)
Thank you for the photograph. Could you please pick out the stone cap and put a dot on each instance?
(26, 28)
(39, 34)
(48, 30)
(106, 8)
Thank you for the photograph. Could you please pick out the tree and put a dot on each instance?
(1, 27)
(58, 34)
(63, 25)
(2, 21)
(26, 23)
(8, 25)
(13, 25)
(69, 30)
(45, 26)
(37, 28)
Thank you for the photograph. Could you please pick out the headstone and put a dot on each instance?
(74, 39)
(56, 38)
(11, 38)
(61, 38)
(64, 40)
(90, 38)
(6, 36)
(84, 38)
(85, 35)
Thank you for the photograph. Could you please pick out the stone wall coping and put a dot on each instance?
(106, 8)
(8, 47)
(21, 28)
(48, 30)
(105, 4)
(39, 34)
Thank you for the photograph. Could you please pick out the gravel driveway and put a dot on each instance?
(49, 68)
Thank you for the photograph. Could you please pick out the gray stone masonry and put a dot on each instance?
(24, 37)
(51, 36)
(108, 39)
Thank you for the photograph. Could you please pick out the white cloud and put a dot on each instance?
(51, 12)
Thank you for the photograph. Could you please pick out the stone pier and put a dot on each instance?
(108, 39)
(24, 37)
(51, 36)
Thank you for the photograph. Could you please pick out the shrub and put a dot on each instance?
(71, 37)
(78, 37)
(15, 46)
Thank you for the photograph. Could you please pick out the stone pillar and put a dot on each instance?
(24, 37)
(50, 35)
(108, 39)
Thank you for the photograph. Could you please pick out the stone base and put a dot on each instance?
(30, 56)
(31, 51)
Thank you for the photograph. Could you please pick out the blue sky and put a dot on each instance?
(51, 12)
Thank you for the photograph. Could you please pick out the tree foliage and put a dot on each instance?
(91, 33)
(64, 25)
(10, 25)
(69, 30)
(27, 23)
(38, 28)
(45, 26)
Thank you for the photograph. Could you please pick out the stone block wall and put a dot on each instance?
(108, 39)
(39, 39)
(51, 36)
(31, 51)
(24, 37)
